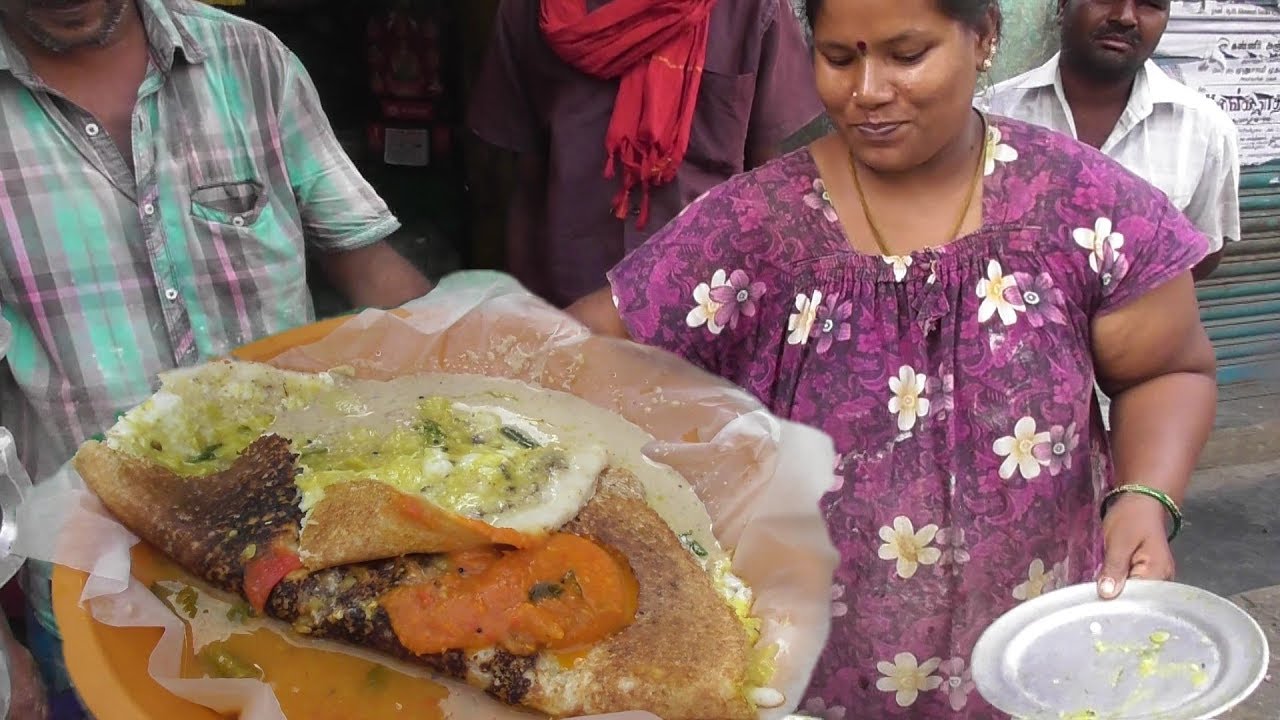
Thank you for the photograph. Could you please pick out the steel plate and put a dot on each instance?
(1161, 651)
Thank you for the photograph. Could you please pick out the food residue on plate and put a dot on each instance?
(1149, 665)
(1149, 662)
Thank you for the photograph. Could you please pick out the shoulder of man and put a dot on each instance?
(219, 33)
(1202, 108)
(1007, 97)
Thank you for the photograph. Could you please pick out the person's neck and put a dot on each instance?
(128, 32)
(1086, 89)
(956, 159)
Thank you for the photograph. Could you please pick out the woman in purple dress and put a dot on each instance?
(938, 291)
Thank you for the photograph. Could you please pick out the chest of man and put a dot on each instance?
(110, 274)
(105, 86)
(112, 105)
(1167, 153)
(154, 216)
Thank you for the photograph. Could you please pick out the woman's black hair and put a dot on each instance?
(970, 12)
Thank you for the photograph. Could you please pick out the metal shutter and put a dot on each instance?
(1240, 303)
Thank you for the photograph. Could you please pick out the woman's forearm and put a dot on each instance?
(1159, 428)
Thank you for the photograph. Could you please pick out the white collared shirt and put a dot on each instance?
(1170, 135)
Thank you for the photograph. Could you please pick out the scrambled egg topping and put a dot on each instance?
(203, 418)
(738, 596)
(470, 462)
(485, 463)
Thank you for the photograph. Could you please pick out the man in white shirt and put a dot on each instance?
(1104, 90)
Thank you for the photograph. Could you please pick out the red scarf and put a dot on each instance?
(656, 48)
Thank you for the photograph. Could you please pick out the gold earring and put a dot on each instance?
(987, 64)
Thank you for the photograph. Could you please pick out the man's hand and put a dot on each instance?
(374, 276)
(1136, 544)
(27, 699)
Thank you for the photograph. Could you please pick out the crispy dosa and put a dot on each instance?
(685, 654)
(368, 520)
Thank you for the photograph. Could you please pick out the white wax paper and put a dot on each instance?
(760, 477)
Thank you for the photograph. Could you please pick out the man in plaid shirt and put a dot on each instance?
(163, 168)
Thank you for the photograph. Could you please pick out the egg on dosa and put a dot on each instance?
(469, 535)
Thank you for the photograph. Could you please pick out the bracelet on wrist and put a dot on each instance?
(1158, 495)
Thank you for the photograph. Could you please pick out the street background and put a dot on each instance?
(1230, 544)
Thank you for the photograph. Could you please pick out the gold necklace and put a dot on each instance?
(964, 210)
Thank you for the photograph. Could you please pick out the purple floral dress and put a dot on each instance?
(957, 384)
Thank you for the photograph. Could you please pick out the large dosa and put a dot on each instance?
(685, 655)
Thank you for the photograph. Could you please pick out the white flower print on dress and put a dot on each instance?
(957, 682)
(839, 608)
(909, 547)
(900, 264)
(1101, 242)
(800, 324)
(818, 708)
(908, 401)
(1000, 296)
(997, 151)
(1025, 452)
(704, 313)
(906, 677)
(1040, 581)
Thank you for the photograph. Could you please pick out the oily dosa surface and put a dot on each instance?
(685, 656)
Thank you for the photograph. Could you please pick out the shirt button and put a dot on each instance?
(171, 294)
(92, 130)
(237, 221)
(149, 209)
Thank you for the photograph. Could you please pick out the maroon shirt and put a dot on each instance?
(757, 89)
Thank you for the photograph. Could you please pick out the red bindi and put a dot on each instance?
(862, 47)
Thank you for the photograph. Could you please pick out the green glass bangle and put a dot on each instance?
(1157, 495)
